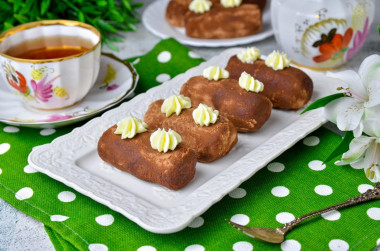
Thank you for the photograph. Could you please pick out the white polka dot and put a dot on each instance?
(97, 247)
(242, 246)
(241, 219)
(47, 132)
(332, 215)
(311, 141)
(137, 60)
(238, 193)
(162, 77)
(378, 242)
(316, 165)
(66, 196)
(1, 171)
(323, 190)
(338, 245)
(193, 55)
(24, 193)
(364, 187)
(197, 222)
(195, 247)
(276, 167)
(11, 129)
(104, 220)
(374, 213)
(164, 57)
(290, 245)
(58, 218)
(146, 248)
(29, 169)
(4, 147)
(284, 217)
(280, 191)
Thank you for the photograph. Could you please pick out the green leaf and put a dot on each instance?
(81, 16)
(106, 26)
(322, 102)
(378, 27)
(342, 147)
(101, 3)
(44, 6)
(7, 25)
(20, 18)
(126, 5)
(110, 45)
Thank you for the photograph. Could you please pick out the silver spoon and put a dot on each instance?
(277, 235)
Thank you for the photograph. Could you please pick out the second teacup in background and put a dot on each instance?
(50, 64)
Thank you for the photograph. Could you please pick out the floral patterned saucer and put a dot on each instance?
(116, 81)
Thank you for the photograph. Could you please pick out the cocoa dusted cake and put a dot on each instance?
(287, 87)
(210, 139)
(216, 19)
(248, 111)
(154, 156)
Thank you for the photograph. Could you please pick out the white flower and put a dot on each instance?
(362, 97)
(364, 151)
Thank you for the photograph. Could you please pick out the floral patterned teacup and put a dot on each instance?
(53, 82)
(321, 34)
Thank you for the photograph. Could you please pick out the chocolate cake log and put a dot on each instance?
(247, 111)
(290, 88)
(175, 12)
(174, 169)
(260, 3)
(208, 142)
(221, 22)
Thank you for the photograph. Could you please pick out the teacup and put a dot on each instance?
(50, 64)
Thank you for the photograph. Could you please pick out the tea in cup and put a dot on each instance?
(50, 64)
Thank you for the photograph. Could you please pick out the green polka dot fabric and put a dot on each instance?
(293, 184)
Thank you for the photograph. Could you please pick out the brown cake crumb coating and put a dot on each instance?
(221, 22)
(247, 111)
(174, 169)
(208, 142)
(290, 88)
(177, 9)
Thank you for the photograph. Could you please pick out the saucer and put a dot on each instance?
(116, 81)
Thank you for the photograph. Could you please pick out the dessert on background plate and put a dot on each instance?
(216, 19)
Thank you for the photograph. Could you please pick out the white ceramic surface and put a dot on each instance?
(116, 81)
(50, 83)
(73, 160)
(154, 20)
(322, 33)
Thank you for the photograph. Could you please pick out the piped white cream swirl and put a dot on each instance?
(130, 126)
(200, 6)
(205, 115)
(277, 60)
(230, 3)
(175, 103)
(247, 82)
(249, 55)
(164, 141)
(215, 73)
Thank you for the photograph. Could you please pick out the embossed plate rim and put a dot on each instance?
(65, 150)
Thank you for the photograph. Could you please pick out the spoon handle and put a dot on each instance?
(369, 195)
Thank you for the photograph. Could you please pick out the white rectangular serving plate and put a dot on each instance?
(73, 160)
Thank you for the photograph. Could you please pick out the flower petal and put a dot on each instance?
(358, 130)
(346, 112)
(373, 89)
(369, 69)
(372, 127)
(370, 162)
(352, 80)
(357, 147)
